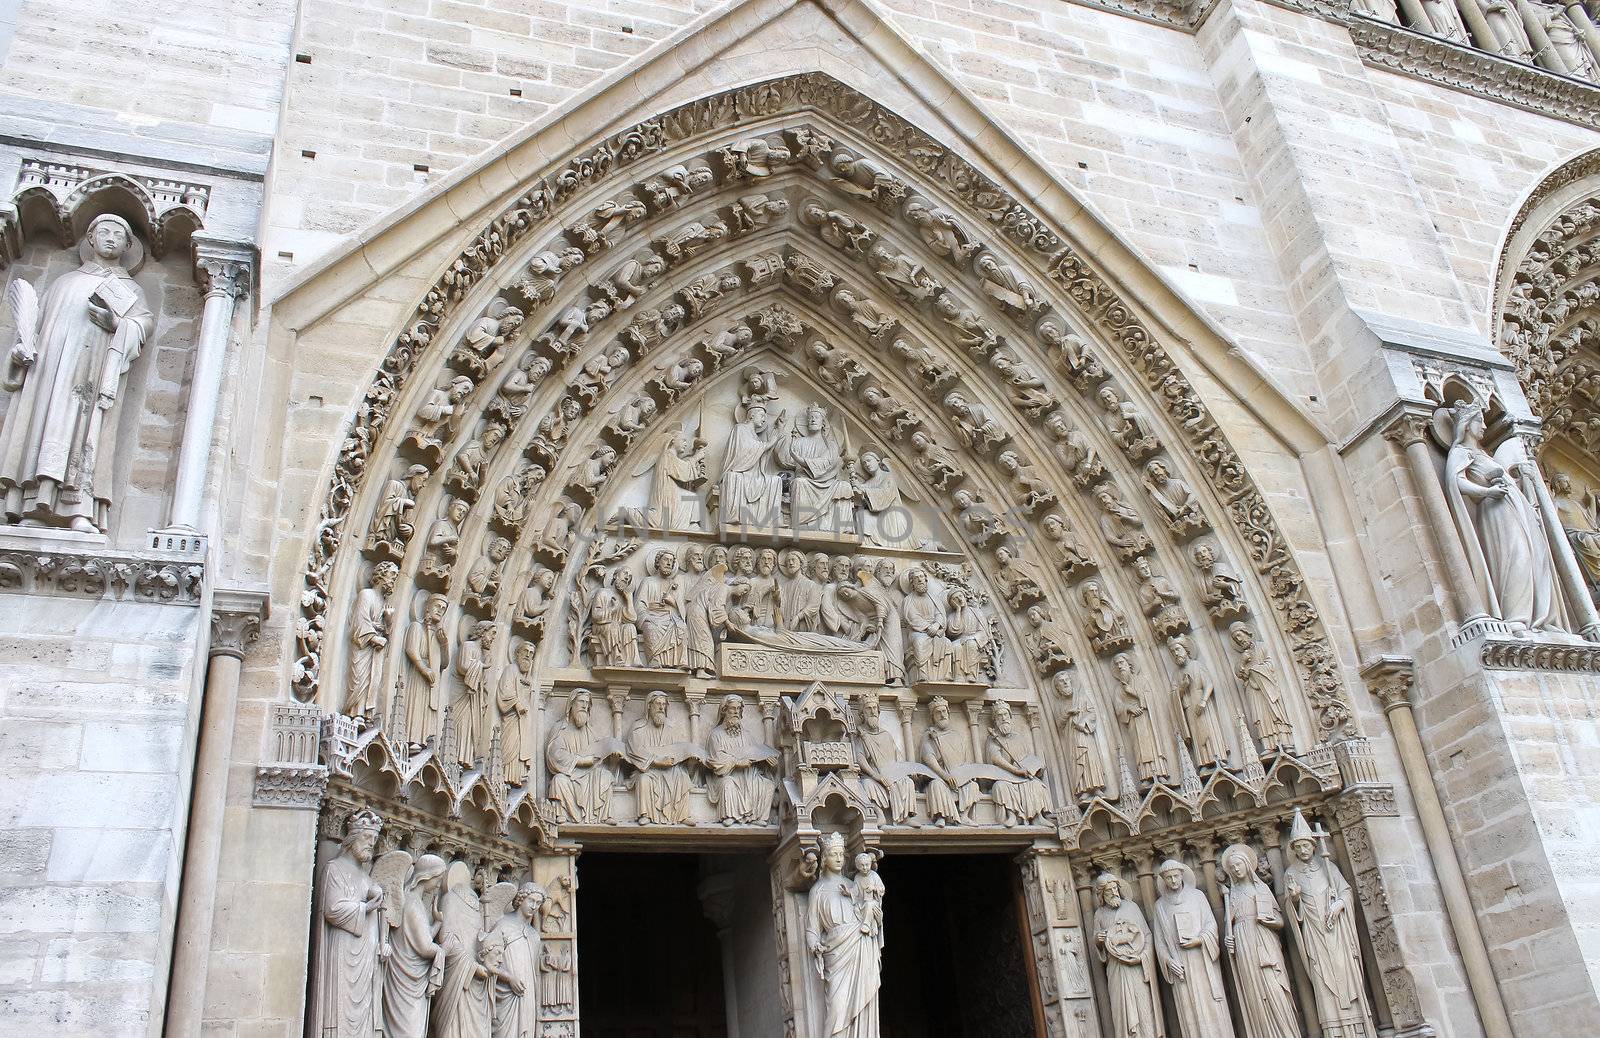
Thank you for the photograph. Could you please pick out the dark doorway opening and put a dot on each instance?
(954, 960)
(649, 962)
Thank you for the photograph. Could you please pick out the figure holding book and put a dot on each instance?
(1187, 948)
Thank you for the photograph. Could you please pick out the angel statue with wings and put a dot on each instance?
(66, 369)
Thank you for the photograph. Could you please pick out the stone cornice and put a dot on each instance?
(1526, 654)
(45, 562)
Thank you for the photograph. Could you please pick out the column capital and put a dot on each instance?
(223, 265)
(1410, 424)
(236, 618)
(1391, 679)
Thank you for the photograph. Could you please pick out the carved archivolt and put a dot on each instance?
(527, 491)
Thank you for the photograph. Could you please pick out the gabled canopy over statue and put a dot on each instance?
(58, 444)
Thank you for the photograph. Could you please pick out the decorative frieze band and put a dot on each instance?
(37, 566)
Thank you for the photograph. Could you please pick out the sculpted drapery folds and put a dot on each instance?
(740, 788)
(846, 950)
(580, 782)
(949, 799)
(515, 700)
(58, 446)
(819, 491)
(1253, 919)
(895, 796)
(1123, 943)
(427, 661)
(1321, 907)
(414, 966)
(658, 604)
(662, 782)
(470, 711)
(1188, 950)
(516, 991)
(751, 489)
(369, 637)
(1022, 796)
(348, 995)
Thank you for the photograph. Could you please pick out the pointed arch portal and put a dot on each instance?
(776, 396)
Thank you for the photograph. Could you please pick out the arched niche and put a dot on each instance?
(796, 226)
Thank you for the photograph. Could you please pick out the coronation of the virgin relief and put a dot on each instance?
(1072, 518)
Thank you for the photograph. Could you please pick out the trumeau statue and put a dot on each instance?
(1188, 950)
(846, 947)
(1321, 907)
(740, 787)
(347, 998)
(1266, 1000)
(580, 780)
(1498, 525)
(1124, 944)
(58, 446)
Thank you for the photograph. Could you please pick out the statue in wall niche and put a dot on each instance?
(427, 648)
(658, 755)
(463, 1005)
(369, 637)
(1133, 711)
(414, 963)
(470, 710)
(1080, 724)
(392, 523)
(347, 996)
(934, 463)
(516, 992)
(1505, 22)
(1444, 19)
(819, 487)
(982, 433)
(599, 373)
(58, 446)
(1321, 908)
(1074, 450)
(1187, 948)
(1498, 526)
(1266, 1000)
(537, 598)
(928, 652)
(658, 606)
(1031, 492)
(1196, 694)
(1566, 42)
(968, 633)
(1023, 797)
(706, 612)
(1579, 520)
(1123, 942)
(471, 462)
(949, 799)
(514, 707)
(750, 491)
(980, 524)
(881, 517)
(1025, 388)
(1259, 681)
(1120, 522)
(1159, 599)
(1177, 502)
(613, 628)
(846, 949)
(883, 779)
(1020, 580)
(740, 788)
(939, 230)
(580, 779)
(1125, 423)
(1045, 641)
(1220, 590)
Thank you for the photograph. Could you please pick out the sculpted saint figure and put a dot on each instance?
(895, 797)
(1261, 692)
(1320, 904)
(662, 785)
(842, 606)
(886, 630)
(846, 950)
(659, 606)
(444, 538)
(1196, 693)
(471, 708)
(1498, 526)
(392, 524)
(1266, 1001)
(580, 782)
(942, 752)
(707, 612)
(427, 656)
(760, 598)
(1025, 797)
(1582, 528)
(58, 446)
(1133, 710)
(514, 702)
(818, 486)
(740, 788)
(968, 633)
(1220, 590)
(369, 636)
(463, 1006)
(928, 654)
(751, 489)
(881, 517)
(414, 953)
(679, 468)
(801, 597)
(348, 994)
(613, 634)
(1186, 946)
(1123, 943)
(516, 993)
(537, 597)
(1173, 496)
(1081, 726)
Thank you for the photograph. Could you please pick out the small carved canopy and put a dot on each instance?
(60, 202)
(817, 707)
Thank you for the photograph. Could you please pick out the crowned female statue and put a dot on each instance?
(846, 950)
(58, 446)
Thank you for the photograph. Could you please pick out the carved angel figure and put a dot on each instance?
(881, 516)
(676, 472)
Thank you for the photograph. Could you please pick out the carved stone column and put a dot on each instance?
(236, 618)
(225, 268)
(1390, 678)
(1586, 27)
(1409, 431)
(1544, 53)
